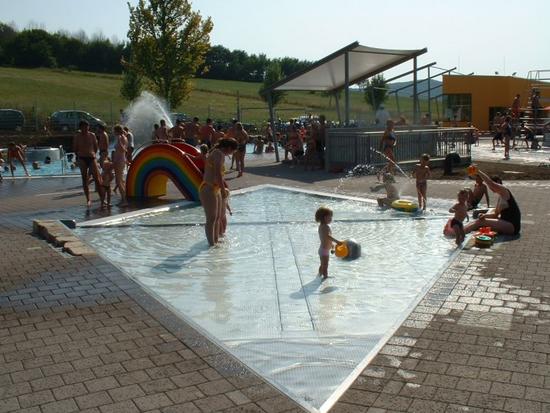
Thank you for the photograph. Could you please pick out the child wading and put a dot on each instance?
(324, 217)
(460, 210)
(422, 173)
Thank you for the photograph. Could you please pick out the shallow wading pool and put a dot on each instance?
(258, 295)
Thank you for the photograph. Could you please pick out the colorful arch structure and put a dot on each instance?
(155, 164)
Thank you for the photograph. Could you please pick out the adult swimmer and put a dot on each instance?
(212, 187)
(506, 217)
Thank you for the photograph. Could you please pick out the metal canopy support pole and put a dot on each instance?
(397, 102)
(429, 95)
(238, 106)
(273, 125)
(374, 103)
(415, 92)
(337, 100)
(346, 87)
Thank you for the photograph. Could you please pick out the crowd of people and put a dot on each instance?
(509, 126)
(109, 166)
(97, 165)
(302, 142)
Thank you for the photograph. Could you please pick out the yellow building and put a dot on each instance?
(476, 99)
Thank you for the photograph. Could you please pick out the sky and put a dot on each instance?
(482, 36)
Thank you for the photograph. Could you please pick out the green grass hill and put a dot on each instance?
(39, 92)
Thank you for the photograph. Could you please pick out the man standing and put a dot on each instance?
(177, 133)
(192, 131)
(320, 141)
(382, 115)
(507, 134)
(130, 137)
(208, 134)
(85, 147)
(516, 107)
(535, 105)
(103, 144)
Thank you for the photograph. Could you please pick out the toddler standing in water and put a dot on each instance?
(460, 210)
(422, 173)
(107, 175)
(324, 217)
(225, 208)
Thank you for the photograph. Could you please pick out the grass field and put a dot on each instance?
(39, 92)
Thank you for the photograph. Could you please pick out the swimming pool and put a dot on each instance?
(257, 293)
(51, 169)
(62, 167)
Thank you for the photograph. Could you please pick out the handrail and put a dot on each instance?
(397, 131)
(62, 159)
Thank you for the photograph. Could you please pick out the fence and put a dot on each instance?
(33, 117)
(346, 148)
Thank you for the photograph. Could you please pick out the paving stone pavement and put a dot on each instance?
(77, 335)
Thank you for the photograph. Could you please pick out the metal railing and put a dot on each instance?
(346, 148)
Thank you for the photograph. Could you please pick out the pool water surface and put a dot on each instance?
(258, 295)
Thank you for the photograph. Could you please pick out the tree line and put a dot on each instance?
(33, 48)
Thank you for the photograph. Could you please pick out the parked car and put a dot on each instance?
(174, 116)
(11, 119)
(68, 120)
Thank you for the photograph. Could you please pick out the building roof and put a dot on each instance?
(328, 74)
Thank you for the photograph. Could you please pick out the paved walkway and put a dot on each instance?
(77, 335)
(520, 154)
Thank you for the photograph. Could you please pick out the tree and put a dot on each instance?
(216, 65)
(376, 92)
(32, 48)
(7, 33)
(168, 44)
(290, 65)
(272, 75)
(131, 85)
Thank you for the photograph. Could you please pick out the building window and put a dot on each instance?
(458, 107)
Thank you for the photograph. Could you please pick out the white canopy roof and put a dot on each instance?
(328, 74)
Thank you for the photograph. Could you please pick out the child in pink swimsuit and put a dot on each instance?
(324, 217)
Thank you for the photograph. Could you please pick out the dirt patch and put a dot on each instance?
(508, 172)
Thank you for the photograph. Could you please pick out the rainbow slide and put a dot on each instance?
(155, 164)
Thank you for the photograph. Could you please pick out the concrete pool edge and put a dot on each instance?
(198, 331)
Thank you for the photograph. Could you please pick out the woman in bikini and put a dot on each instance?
(506, 217)
(242, 139)
(387, 144)
(212, 187)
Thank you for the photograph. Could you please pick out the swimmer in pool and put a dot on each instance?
(324, 217)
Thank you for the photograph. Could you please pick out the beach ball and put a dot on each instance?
(341, 250)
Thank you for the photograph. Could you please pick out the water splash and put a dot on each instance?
(355, 172)
(143, 113)
(389, 160)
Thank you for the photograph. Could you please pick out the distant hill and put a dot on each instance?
(422, 88)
